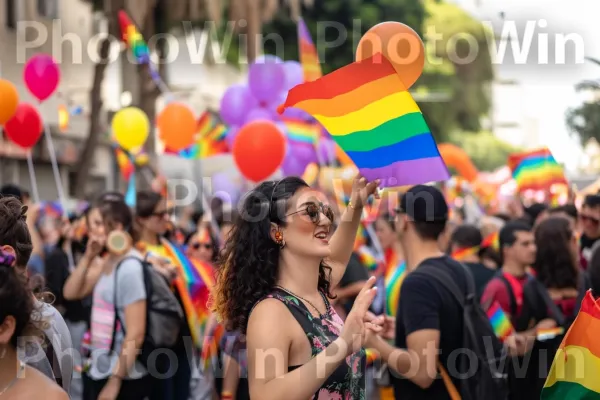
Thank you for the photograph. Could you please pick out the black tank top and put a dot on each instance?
(348, 380)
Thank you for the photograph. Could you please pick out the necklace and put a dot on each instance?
(306, 301)
(12, 383)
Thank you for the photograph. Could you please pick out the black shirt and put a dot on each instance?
(355, 272)
(481, 275)
(425, 304)
(57, 272)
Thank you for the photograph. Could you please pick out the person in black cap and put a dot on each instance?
(429, 320)
(12, 190)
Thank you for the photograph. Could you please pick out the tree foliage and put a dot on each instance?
(485, 149)
(584, 121)
(466, 83)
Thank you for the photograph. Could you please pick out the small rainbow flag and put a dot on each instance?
(301, 132)
(536, 170)
(210, 346)
(63, 118)
(500, 321)
(492, 240)
(462, 254)
(370, 114)
(576, 367)
(195, 280)
(368, 258)
(309, 58)
(394, 276)
(547, 334)
(134, 39)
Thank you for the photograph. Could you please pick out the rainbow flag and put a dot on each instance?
(394, 276)
(63, 118)
(536, 170)
(302, 132)
(462, 254)
(500, 321)
(210, 346)
(547, 334)
(492, 240)
(309, 58)
(576, 367)
(370, 114)
(214, 142)
(368, 258)
(134, 39)
(195, 280)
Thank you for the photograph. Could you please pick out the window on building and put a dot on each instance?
(11, 14)
(48, 8)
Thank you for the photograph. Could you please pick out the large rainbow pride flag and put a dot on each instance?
(536, 170)
(374, 119)
(576, 368)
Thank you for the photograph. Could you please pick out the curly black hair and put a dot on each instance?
(15, 300)
(248, 265)
(555, 263)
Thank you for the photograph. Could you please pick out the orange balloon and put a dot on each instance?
(9, 100)
(457, 158)
(399, 44)
(177, 126)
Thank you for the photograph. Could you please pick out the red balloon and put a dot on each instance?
(25, 127)
(259, 149)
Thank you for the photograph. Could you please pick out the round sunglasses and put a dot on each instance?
(314, 210)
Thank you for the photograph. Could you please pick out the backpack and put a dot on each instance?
(490, 380)
(164, 314)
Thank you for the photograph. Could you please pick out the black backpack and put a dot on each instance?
(490, 380)
(164, 314)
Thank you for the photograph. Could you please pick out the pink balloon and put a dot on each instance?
(41, 76)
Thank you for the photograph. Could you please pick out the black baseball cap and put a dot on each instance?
(11, 190)
(424, 203)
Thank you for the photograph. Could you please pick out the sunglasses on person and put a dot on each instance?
(589, 218)
(198, 246)
(314, 210)
(162, 214)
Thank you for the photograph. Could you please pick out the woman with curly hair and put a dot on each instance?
(16, 308)
(275, 276)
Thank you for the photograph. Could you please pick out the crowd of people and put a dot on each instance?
(297, 309)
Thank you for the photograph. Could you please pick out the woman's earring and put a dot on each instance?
(279, 239)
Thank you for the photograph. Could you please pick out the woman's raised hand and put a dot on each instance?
(358, 322)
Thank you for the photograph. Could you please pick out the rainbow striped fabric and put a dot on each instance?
(134, 39)
(63, 118)
(211, 139)
(301, 132)
(195, 280)
(309, 58)
(490, 241)
(394, 276)
(500, 321)
(536, 170)
(576, 367)
(368, 258)
(370, 114)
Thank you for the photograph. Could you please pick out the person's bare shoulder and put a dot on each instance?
(40, 386)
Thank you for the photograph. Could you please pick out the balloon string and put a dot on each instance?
(32, 178)
(59, 185)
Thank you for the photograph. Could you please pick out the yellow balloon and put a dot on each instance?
(130, 128)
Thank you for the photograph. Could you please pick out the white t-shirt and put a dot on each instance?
(130, 289)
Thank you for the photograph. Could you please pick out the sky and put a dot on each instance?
(549, 90)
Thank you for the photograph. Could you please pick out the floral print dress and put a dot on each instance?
(347, 382)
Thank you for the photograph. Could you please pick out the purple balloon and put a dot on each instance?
(41, 75)
(296, 113)
(259, 114)
(326, 150)
(224, 188)
(231, 135)
(294, 74)
(266, 80)
(304, 153)
(292, 167)
(235, 104)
